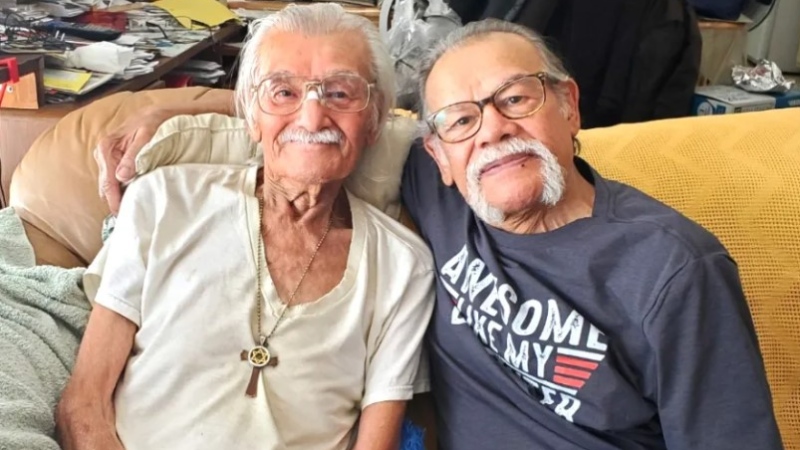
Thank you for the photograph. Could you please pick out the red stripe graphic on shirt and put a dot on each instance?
(573, 372)
(566, 360)
(571, 382)
(550, 345)
(574, 367)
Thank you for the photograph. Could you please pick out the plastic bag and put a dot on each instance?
(415, 27)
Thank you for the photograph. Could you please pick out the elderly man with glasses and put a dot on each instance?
(248, 308)
(572, 311)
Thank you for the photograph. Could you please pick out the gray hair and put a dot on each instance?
(474, 30)
(316, 19)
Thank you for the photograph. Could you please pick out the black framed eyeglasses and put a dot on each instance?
(517, 98)
(284, 94)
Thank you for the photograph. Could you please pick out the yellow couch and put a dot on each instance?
(738, 175)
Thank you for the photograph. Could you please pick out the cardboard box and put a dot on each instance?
(28, 93)
(724, 46)
(709, 100)
(787, 99)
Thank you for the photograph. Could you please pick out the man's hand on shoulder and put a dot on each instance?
(115, 154)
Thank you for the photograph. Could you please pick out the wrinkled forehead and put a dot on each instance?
(474, 70)
(314, 56)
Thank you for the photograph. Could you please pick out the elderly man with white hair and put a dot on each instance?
(249, 308)
(572, 311)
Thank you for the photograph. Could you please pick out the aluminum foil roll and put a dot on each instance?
(766, 76)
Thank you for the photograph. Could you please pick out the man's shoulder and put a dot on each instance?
(428, 200)
(187, 181)
(420, 166)
(396, 239)
(659, 221)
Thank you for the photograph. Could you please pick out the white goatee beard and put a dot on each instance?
(551, 172)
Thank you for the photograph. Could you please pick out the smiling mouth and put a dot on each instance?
(504, 163)
(313, 145)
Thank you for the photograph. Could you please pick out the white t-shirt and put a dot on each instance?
(181, 265)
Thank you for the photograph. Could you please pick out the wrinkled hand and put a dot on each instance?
(81, 431)
(95, 440)
(116, 153)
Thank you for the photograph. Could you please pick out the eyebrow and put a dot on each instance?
(344, 72)
(508, 79)
(286, 73)
(282, 73)
(515, 77)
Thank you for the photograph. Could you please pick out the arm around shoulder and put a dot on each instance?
(116, 152)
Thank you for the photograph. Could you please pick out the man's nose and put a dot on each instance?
(495, 128)
(312, 114)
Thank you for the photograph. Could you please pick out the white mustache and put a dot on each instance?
(303, 136)
(514, 146)
(552, 175)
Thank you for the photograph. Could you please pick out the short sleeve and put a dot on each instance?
(115, 278)
(422, 383)
(394, 371)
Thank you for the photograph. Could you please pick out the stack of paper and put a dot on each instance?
(141, 64)
(66, 80)
(206, 73)
(77, 82)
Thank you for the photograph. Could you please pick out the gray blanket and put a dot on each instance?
(43, 313)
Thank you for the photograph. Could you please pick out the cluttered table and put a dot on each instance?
(88, 45)
(72, 52)
(62, 98)
(91, 48)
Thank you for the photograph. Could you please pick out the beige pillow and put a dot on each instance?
(221, 139)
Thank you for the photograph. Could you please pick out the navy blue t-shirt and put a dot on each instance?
(624, 330)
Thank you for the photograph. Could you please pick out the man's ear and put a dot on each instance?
(253, 127)
(373, 135)
(573, 106)
(254, 132)
(375, 128)
(434, 148)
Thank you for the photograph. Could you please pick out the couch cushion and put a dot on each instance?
(55, 189)
(738, 176)
(48, 252)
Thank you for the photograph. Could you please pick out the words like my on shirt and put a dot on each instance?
(548, 345)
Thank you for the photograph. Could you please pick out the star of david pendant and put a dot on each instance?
(259, 356)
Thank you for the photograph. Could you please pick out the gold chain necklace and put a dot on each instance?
(259, 356)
